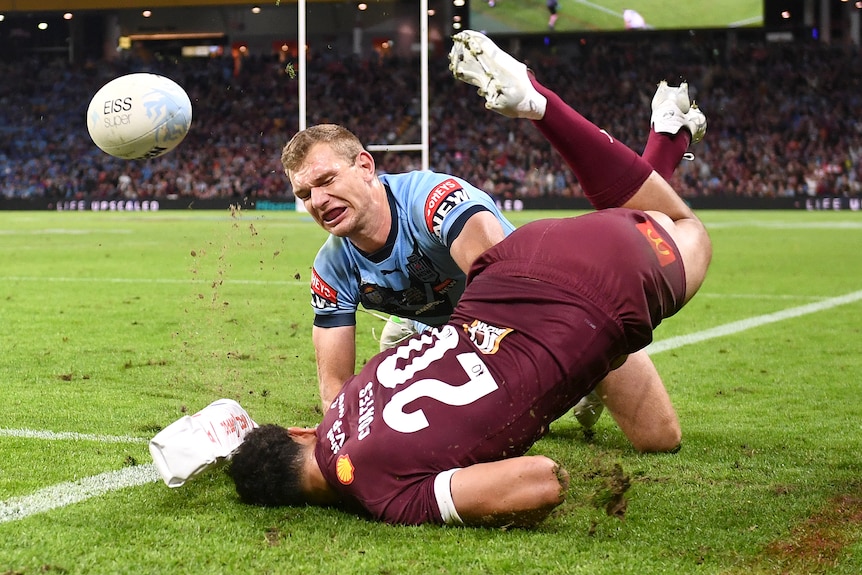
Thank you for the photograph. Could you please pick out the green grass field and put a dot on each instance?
(509, 16)
(116, 324)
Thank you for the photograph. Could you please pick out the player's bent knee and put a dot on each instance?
(666, 440)
(552, 480)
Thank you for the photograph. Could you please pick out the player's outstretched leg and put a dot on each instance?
(610, 173)
(509, 89)
(675, 123)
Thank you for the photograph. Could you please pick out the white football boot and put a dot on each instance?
(502, 80)
(672, 110)
(588, 410)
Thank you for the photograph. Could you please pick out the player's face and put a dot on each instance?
(335, 191)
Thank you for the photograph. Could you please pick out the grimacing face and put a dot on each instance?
(334, 190)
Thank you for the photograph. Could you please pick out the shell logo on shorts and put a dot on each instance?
(344, 469)
(659, 245)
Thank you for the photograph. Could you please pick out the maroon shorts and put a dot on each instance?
(579, 292)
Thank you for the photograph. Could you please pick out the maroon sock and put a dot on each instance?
(664, 151)
(609, 171)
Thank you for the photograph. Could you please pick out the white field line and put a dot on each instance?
(760, 296)
(785, 225)
(64, 494)
(305, 283)
(147, 280)
(752, 322)
(71, 492)
(38, 434)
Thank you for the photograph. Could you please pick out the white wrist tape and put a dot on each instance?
(443, 493)
(197, 442)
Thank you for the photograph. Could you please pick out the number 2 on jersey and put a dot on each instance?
(479, 384)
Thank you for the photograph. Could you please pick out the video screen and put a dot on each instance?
(543, 16)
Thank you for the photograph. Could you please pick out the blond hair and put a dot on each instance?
(342, 141)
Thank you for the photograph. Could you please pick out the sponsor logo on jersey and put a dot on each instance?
(444, 286)
(344, 469)
(323, 296)
(486, 337)
(428, 307)
(421, 268)
(441, 201)
(659, 245)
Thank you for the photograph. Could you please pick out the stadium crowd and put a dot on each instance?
(782, 121)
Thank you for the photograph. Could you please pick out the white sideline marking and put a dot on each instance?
(56, 279)
(784, 225)
(761, 296)
(64, 494)
(71, 492)
(149, 280)
(742, 325)
(63, 231)
(54, 435)
(746, 22)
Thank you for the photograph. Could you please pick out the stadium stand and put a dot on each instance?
(782, 121)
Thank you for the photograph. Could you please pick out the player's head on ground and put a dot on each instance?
(268, 468)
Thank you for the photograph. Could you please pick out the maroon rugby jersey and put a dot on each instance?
(534, 332)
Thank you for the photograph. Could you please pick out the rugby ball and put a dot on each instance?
(139, 116)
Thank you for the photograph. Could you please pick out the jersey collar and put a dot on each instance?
(383, 253)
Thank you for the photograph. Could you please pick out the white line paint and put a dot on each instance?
(69, 435)
(63, 231)
(745, 324)
(760, 296)
(149, 280)
(71, 492)
(56, 279)
(600, 8)
(785, 225)
(64, 494)
(746, 22)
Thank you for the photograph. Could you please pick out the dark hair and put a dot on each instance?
(267, 468)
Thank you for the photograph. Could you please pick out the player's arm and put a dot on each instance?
(638, 401)
(518, 492)
(335, 349)
(480, 232)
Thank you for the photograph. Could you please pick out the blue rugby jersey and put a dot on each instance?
(414, 275)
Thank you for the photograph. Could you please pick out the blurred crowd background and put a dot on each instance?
(783, 120)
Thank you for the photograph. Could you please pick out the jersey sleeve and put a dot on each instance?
(449, 203)
(333, 297)
(417, 503)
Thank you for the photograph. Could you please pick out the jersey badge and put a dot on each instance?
(371, 295)
(486, 337)
(344, 469)
(442, 200)
(659, 245)
(421, 268)
(323, 296)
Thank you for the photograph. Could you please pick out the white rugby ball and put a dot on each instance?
(139, 116)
